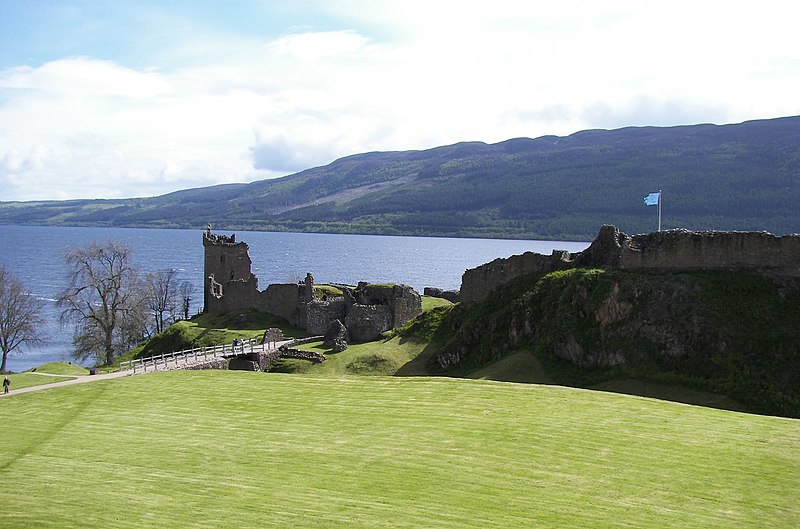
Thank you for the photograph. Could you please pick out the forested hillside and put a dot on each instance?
(731, 177)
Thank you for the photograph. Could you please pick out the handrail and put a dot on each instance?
(244, 347)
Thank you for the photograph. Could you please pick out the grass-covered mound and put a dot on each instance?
(60, 368)
(213, 329)
(382, 357)
(235, 449)
(729, 333)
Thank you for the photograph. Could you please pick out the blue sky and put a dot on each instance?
(105, 99)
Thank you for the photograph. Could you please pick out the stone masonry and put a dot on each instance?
(758, 252)
(366, 310)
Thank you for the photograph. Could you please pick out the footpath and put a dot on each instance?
(74, 379)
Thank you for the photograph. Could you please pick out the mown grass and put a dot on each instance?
(233, 449)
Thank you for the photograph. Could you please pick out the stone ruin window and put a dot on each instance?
(222, 258)
(214, 287)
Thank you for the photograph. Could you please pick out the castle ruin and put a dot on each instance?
(662, 251)
(365, 310)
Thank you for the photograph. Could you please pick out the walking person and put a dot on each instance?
(6, 384)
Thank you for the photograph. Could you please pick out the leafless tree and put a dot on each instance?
(104, 299)
(186, 292)
(162, 297)
(20, 317)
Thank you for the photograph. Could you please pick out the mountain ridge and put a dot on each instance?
(729, 177)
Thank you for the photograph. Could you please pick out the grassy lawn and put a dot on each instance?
(234, 449)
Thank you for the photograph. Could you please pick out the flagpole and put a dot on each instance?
(660, 198)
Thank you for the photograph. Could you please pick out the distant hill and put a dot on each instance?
(730, 177)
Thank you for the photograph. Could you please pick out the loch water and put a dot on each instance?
(35, 255)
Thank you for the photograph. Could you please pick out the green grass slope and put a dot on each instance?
(207, 330)
(233, 449)
(402, 351)
(60, 368)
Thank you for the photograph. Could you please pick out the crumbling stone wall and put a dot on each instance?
(452, 296)
(478, 283)
(403, 301)
(367, 322)
(285, 300)
(406, 304)
(228, 275)
(688, 250)
(321, 313)
(759, 252)
(230, 285)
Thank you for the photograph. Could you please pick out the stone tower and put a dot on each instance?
(229, 283)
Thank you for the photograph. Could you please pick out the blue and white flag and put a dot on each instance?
(652, 199)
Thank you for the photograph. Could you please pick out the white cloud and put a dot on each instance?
(396, 75)
(85, 76)
(316, 45)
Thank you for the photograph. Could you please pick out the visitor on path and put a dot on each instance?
(6, 384)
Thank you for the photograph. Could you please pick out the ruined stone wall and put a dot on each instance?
(452, 296)
(285, 300)
(478, 283)
(686, 250)
(367, 322)
(319, 314)
(230, 285)
(403, 301)
(237, 295)
(406, 304)
(759, 252)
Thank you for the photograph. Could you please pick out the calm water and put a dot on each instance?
(35, 255)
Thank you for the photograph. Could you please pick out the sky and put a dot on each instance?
(119, 98)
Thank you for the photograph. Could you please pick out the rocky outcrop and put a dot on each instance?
(336, 337)
(732, 332)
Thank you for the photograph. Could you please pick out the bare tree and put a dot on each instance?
(103, 299)
(186, 292)
(20, 317)
(162, 297)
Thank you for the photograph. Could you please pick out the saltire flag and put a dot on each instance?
(652, 199)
